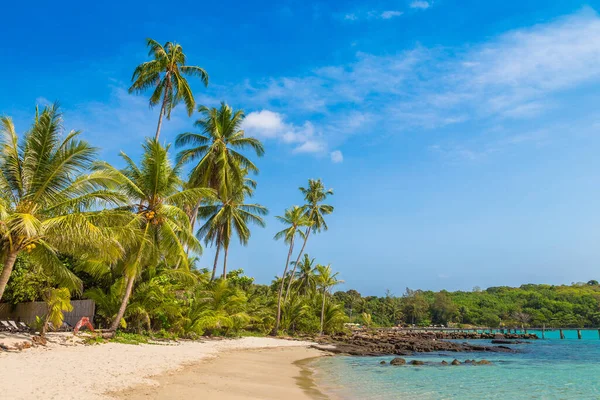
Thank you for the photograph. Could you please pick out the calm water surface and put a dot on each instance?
(544, 369)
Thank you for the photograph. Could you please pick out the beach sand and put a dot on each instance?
(68, 371)
(237, 375)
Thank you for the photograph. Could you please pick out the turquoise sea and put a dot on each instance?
(544, 369)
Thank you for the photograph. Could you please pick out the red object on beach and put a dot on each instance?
(84, 321)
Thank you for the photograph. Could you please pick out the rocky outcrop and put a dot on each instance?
(400, 343)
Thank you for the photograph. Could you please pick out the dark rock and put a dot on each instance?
(382, 362)
(398, 361)
(483, 362)
(417, 362)
(444, 362)
(381, 342)
(455, 362)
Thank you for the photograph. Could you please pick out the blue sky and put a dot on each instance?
(460, 137)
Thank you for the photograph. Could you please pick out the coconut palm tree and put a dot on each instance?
(294, 218)
(217, 150)
(156, 199)
(217, 308)
(306, 280)
(229, 215)
(314, 195)
(165, 74)
(326, 279)
(46, 196)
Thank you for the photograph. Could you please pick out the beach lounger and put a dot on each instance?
(14, 325)
(5, 326)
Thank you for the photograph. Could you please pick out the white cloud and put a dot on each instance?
(371, 15)
(310, 146)
(390, 14)
(42, 101)
(336, 156)
(267, 124)
(423, 5)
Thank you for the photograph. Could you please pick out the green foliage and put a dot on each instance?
(577, 305)
(48, 199)
(130, 338)
(58, 301)
(27, 282)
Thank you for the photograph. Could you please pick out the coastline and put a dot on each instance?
(75, 371)
(245, 374)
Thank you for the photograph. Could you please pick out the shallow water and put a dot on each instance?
(544, 369)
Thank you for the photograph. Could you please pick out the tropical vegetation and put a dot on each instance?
(575, 305)
(130, 238)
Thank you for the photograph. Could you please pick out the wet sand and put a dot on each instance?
(265, 374)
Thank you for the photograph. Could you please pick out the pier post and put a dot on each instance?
(562, 335)
(598, 333)
(579, 334)
(544, 331)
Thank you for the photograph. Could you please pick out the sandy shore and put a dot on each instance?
(64, 371)
(266, 374)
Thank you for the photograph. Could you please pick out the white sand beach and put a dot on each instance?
(66, 371)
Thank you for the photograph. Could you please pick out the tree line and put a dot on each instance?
(575, 305)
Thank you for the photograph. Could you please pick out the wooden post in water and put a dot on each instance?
(598, 333)
(544, 331)
(562, 335)
(579, 334)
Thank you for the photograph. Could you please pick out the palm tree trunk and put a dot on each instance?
(9, 263)
(115, 324)
(160, 117)
(323, 312)
(287, 263)
(225, 262)
(214, 272)
(193, 217)
(287, 292)
(163, 107)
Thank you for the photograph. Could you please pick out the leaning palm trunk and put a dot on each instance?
(117, 321)
(162, 108)
(287, 292)
(287, 263)
(9, 263)
(323, 312)
(214, 271)
(224, 276)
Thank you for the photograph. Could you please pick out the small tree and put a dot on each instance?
(57, 301)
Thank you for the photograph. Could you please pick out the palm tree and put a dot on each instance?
(325, 281)
(227, 215)
(46, 198)
(294, 218)
(216, 150)
(314, 195)
(306, 280)
(156, 199)
(166, 75)
(219, 307)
